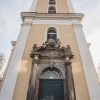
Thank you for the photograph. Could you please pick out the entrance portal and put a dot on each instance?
(51, 89)
(51, 86)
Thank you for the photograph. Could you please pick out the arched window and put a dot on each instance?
(51, 1)
(52, 10)
(51, 33)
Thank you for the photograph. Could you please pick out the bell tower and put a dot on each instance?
(51, 58)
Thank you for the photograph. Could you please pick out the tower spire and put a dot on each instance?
(67, 3)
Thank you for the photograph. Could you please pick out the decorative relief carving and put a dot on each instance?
(48, 56)
(51, 55)
(58, 65)
(52, 49)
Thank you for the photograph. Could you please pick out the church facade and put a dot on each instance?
(51, 58)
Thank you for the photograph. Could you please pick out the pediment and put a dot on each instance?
(51, 50)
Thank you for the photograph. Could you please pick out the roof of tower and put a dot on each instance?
(68, 4)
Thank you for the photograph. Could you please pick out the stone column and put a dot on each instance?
(33, 79)
(69, 78)
(65, 88)
(36, 80)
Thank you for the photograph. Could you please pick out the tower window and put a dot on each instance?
(51, 1)
(52, 10)
(52, 34)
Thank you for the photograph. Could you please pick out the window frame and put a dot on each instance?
(52, 10)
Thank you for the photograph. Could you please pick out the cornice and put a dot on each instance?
(46, 16)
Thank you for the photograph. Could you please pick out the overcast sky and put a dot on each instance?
(10, 22)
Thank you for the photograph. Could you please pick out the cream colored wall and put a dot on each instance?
(42, 6)
(37, 35)
(61, 6)
(67, 36)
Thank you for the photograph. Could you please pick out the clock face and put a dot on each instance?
(51, 74)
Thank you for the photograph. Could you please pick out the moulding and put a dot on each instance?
(62, 16)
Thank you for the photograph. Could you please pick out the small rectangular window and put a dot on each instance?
(51, 2)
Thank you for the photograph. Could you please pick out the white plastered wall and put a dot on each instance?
(33, 7)
(88, 66)
(71, 9)
(7, 90)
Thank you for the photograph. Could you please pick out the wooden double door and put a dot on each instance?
(51, 89)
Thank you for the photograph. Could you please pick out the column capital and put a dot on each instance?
(67, 62)
(26, 23)
(36, 59)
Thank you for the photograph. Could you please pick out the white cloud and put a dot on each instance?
(10, 21)
(91, 24)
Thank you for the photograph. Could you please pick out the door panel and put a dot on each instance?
(51, 89)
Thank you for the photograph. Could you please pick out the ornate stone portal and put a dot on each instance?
(51, 61)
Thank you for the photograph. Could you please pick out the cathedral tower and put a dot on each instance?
(51, 59)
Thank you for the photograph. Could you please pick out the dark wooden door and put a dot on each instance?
(51, 89)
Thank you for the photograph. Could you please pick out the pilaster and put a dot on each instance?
(88, 66)
(7, 90)
(71, 9)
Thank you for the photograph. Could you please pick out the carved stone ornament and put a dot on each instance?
(51, 49)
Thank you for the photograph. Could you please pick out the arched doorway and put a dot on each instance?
(51, 86)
